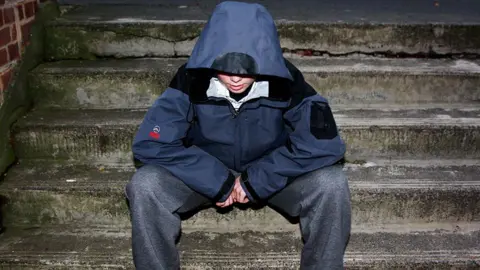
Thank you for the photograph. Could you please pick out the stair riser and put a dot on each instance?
(113, 143)
(373, 205)
(199, 264)
(177, 39)
(139, 88)
(88, 248)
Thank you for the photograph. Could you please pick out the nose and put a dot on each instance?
(235, 79)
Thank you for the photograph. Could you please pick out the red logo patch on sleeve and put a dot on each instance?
(154, 135)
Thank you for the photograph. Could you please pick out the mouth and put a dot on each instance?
(236, 87)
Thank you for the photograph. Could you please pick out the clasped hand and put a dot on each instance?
(237, 195)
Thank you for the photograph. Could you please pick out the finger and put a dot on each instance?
(222, 204)
(226, 202)
(229, 201)
(243, 197)
(235, 195)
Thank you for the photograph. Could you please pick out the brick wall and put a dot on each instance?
(16, 18)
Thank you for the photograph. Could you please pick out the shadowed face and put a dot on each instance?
(236, 83)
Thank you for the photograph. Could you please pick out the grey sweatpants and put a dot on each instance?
(321, 199)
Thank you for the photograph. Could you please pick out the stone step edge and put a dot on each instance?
(311, 64)
(366, 162)
(80, 183)
(410, 228)
(118, 117)
(100, 189)
(358, 257)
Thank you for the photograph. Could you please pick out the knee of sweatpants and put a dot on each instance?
(144, 182)
(331, 182)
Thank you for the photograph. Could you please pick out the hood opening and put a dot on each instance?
(240, 38)
(235, 63)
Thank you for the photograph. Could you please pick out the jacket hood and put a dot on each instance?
(240, 38)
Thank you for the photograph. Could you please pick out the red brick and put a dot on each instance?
(5, 78)
(21, 14)
(14, 32)
(29, 9)
(26, 31)
(3, 57)
(5, 36)
(8, 15)
(13, 52)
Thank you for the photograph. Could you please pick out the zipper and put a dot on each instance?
(235, 113)
(236, 150)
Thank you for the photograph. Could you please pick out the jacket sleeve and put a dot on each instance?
(159, 141)
(313, 143)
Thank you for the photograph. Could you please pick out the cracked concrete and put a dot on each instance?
(310, 28)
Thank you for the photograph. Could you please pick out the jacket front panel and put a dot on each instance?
(237, 138)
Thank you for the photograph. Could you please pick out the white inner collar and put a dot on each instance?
(219, 90)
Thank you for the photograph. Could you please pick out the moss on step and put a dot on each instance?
(71, 40)
(88, 42)
(341, 38)
(49, 207)
(17, 98)
(102, 205)
(96, 90)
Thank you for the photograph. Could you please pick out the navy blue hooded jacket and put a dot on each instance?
(281, 130)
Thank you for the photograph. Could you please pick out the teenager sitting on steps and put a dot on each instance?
(237, 107)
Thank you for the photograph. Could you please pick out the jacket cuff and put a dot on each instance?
(247, 187)
(226, 188)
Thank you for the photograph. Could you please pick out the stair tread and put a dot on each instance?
(311, 11)
(103, 178)
(412, 66)
(458, 115)
(107, 245)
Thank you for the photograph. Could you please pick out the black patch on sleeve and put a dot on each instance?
(322, 123)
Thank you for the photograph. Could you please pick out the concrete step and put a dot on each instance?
(109, 248)
(39, 193)
(106, 135)
(136, 83)
(171, 30)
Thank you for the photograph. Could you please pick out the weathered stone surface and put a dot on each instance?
(79, 248)
(106, 136)
(42, 193)
(135, 83)
(92, 31)
(102, 84)
(16, 95)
